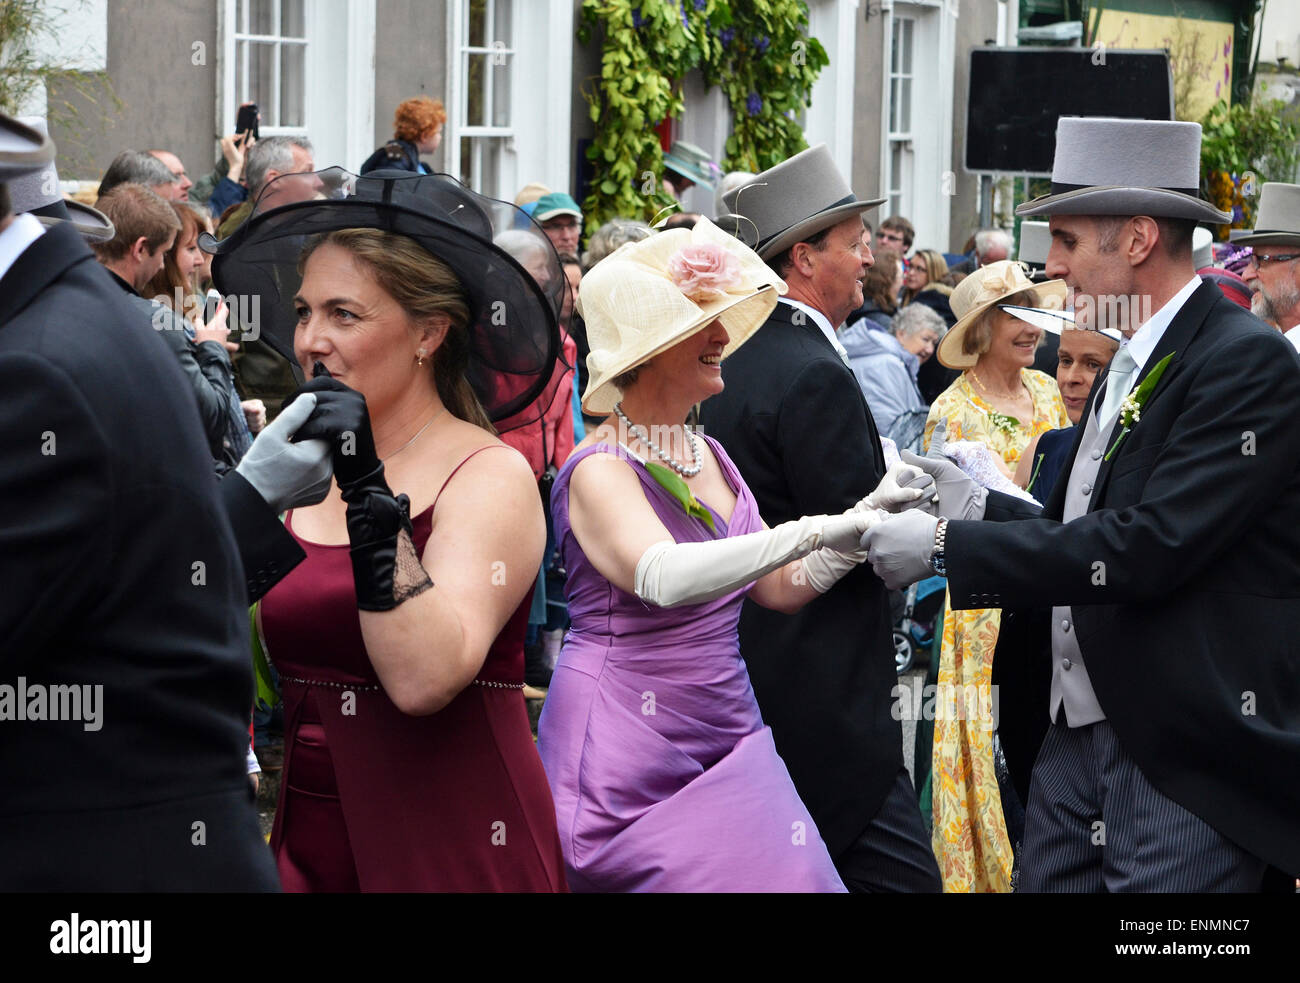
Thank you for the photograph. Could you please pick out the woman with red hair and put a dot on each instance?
(417, 129)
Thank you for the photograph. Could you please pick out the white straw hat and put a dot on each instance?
(647, 296)
(981, 290)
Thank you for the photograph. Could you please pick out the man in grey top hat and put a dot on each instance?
(1170, 747)
(1274, 267)
(796, 424)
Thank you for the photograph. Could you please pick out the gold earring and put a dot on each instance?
(419, 358)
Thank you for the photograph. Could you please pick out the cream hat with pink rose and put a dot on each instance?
(649, 295)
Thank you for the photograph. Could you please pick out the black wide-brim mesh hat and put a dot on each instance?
(514, 310)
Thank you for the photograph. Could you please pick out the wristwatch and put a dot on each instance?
(936, 556)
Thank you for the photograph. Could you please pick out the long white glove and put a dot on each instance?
(671, 574)
(285, 474)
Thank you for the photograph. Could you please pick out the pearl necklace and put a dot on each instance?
(686, 471)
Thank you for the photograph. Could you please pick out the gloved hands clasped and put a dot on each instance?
(288, 473)
(379, 522)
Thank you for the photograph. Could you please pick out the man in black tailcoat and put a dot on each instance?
(795, 423)
(1166, 554)
(125, 677)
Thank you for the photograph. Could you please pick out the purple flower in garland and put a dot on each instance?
(700, 4)
(761, 44)
(637, 19)
(753, 104)
(727, 35)
(685, 23)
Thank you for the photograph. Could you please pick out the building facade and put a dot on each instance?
(172, 73)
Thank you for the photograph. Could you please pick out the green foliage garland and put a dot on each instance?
(757, 51)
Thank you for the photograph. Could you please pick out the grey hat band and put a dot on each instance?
(1059, 188)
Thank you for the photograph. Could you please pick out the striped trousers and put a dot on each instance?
(1094, 823)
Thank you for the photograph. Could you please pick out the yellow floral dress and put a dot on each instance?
(970, 835)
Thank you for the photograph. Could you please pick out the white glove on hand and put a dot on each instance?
(959, 495)
(904, 486)
(671, 574)
(285, 474)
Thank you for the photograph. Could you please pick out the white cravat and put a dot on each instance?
(1118, 382)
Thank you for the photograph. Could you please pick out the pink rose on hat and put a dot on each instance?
(704, 271)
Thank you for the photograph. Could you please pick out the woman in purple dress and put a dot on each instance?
(663, 773)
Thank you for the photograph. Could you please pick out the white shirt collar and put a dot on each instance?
(1146, 337)
(1293, 336)
(823, 323)
(22, 232)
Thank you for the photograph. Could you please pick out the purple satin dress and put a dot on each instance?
(664, 776)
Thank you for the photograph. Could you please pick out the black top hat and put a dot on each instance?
(514, 313)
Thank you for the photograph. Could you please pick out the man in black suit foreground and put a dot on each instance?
(125, 678)
(795, 422)
(1166, 554)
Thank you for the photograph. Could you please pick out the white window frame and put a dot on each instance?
(239, 32)
(829, 119)
(932, 176)
(537, 144)
(340, 42)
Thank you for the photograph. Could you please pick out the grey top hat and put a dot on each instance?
(692, 162)
(38, 194)
(22, 149)
(1109, 166)
(794, 200)
(1035, 241)
(1277, 223)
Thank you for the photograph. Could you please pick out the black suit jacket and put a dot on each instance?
(1183, 577)
(119, 570)
(793, 419)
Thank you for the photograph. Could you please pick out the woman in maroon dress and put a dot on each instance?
(409, 764)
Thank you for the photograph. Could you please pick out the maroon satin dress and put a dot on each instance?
(372, 799)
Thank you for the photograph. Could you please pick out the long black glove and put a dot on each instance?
(385, 567)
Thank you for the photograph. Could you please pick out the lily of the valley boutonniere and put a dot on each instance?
(678, 489)
(1130, 411)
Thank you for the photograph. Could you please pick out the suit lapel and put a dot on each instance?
(39, 265)
(1176, 339)
(799, 320)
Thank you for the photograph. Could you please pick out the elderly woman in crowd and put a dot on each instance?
(886, 361)
(409, 763)
(664, 776)
(1002, 404)
(610, 236)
